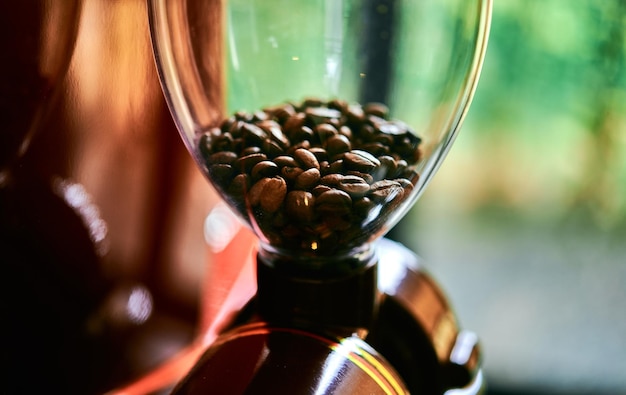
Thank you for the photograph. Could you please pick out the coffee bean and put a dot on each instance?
(223, 142)
(377, 109)
(355, 114)
(272, 149)
(311, 102)
(264, 168)
(307, 179)
(253, 135)
(256, 191)
(319, 115)
(320, 153)
(305, 145)
(325, 131)
(362, 206)
(274, 131)
(250, 150)
(319, 189)
(336, 166)
(339, 105)
(273, 194)
(306, 158)
(294, 124)
(368, 178)
(334, 202)
(223, 157)
(221, 174)
(360, 161)
(375, 148)
(387, 168)
(276, 191)
(331, 179)
(299, 205)
(259, 116)
(285, 160)
(345, 131)
(246, 163)
(291, 173)
(281, 113)
(354, 186)
(337, 144)
(239, 186)
(385, 191)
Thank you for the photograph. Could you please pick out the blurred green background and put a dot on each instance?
(525, 224)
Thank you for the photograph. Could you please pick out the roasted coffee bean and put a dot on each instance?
(251, 150)
(270, 193)
(243, 116)
(285, 160)
(325, 131)
(345, 131)
(405, 183)
(337, 144)
(360, 161)
(257, 190)
(246, 163)
(331, 179)
(307, 179)
(401, 168)
(319, 115)
(235, 128)
(306, 158)
(368, 178)
(384, 139)
(221, 174)
(227, 123)
(274, 194)
(300, 205)
(223, 142)
(319, 189)
(253, 135)
(294, 124)
(334, 202)
(410, 173)
(305, 145)
(387, 169)
(311, 102)
(374, 148)
(238, 145)
(377, 109)
(340, 105)
(205, 145)
(239, 186)
(324, 167)
(274, 131)
(223, 157)
(337, 166)
(362, 206)
(281, 113)
(385, 191)
(272, 149)
(291, 173)
(355, 114)
(367, 133)
(320, 153)
(354, 186)
(264, 168)
(391, 129)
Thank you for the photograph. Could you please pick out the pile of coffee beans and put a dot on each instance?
(315, 177)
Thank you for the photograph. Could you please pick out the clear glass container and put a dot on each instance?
(320, 123)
